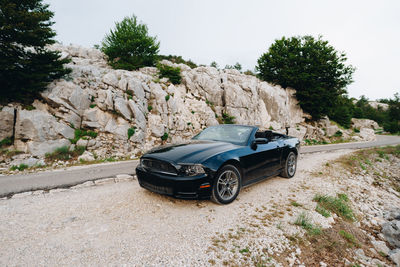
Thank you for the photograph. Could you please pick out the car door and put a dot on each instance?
(262, 161)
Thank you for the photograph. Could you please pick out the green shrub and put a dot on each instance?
(131, 132)
(178, 60)
(165, 136)
(128, 46)
(356, 130)
(172, 73)
(92, 105)
(6, 142)
(167, 97)
(338, 134)
(79, 133)
(227, 119)
(149, 108)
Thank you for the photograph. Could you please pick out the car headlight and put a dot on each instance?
(191, 170)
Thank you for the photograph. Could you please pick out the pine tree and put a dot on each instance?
(26, 66)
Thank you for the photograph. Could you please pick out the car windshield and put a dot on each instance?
(226, 133)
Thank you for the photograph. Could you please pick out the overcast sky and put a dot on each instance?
(230, 31)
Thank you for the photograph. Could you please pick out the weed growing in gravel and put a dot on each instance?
(305, 222)
(349, 238)
(322, 211)
(338, 205)
(295, 204)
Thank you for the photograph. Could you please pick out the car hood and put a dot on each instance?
(194, 151)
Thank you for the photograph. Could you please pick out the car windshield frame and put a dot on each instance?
(242, 142)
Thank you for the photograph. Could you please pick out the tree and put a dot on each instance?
(311, 66)
(26, 65)
(214, 64)
(237, 66)
(129, 45)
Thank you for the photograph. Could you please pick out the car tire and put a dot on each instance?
(290, 167)
(227, 185)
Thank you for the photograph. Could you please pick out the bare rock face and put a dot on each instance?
(6, 122)
(115, 102)
(364, 123)
(38, 132)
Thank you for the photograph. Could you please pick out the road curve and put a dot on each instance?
(63, 178)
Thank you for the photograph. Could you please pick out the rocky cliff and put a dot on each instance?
(131, 111)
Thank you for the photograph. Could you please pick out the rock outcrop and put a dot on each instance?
(114, 102)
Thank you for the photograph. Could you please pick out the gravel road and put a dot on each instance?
(74, 175)
(122, 224)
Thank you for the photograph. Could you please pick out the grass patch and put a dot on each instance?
(305, 222)
(322, 211)
(295, 204)
(79, 133)
(349, 238)
(63, 153)
(338, 205)
(6, 142)
(149, 108)
(227, 119)
(19, 167)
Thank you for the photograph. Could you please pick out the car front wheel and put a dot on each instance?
(290, 166)
(227, 185)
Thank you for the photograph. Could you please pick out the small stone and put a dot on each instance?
(104, 181)
(37, 193)
(21, 195)
(322, 264)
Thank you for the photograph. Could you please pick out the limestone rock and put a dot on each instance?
(364, 123)
(6, 122)
(86, 156)
(367, 134)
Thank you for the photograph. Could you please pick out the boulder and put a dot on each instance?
(395, 256)
(39, 149)
(121, 106)
(331, 130)
(367, 134)
(364, 123)
(86, 156)
(391, 231)
(6, 122)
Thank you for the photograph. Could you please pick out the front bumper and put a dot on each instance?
(191, 187)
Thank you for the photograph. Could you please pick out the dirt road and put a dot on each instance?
(123, 224)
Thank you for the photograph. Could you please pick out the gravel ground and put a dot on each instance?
(123, 224)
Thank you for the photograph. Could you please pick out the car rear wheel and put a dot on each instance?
(290, 166)
(227, 185)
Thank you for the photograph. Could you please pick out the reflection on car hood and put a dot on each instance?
(194, 151)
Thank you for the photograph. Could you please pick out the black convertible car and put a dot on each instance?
(218, 162)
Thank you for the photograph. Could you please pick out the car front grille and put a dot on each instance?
(157, 189)
(158, 166)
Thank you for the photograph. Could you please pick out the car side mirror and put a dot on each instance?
(258, 141)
